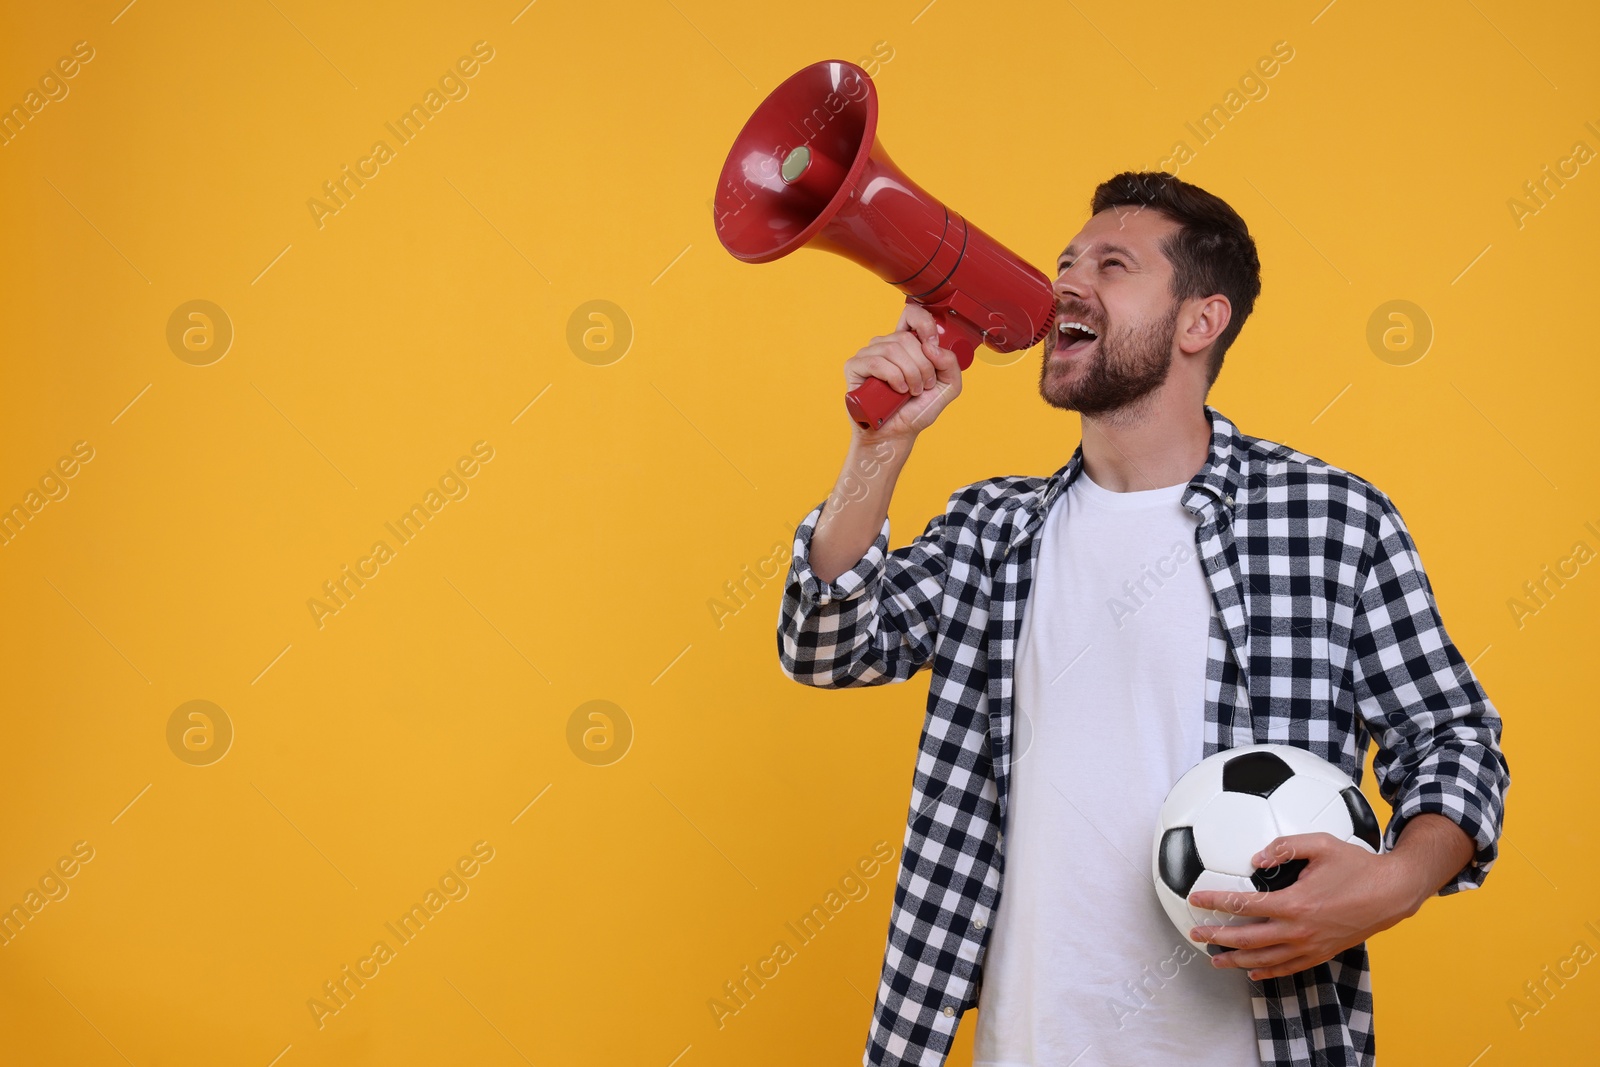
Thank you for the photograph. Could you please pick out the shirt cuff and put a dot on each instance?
(1484, 836)
(846, 586)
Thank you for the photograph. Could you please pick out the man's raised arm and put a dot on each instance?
(836, 627)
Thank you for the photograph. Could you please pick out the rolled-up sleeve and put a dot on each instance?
(1438, 735)
(875, 623)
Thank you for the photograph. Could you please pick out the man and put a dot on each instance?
(1176, 589)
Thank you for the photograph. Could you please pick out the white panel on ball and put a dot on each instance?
(1232, 828)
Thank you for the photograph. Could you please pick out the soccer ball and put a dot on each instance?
(1230, 806)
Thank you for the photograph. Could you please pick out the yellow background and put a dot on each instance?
(428, 313)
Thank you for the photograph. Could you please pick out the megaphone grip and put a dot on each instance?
(874, 401)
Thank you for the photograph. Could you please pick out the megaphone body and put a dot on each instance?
(808, 170)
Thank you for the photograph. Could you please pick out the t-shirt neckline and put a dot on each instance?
(1090, 490)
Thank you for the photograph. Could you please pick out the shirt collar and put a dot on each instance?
(1216, 487)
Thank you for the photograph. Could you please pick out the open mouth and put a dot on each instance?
(1074, 336)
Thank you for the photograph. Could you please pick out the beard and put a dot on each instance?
(1125, 368)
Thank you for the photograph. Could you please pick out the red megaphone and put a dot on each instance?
(807, 169)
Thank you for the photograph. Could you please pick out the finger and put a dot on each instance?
(929, 350)
(876, 362)
(946, 365)
(927, 357)
(883, 346)
(1281, 850)
(892, 368)
(1233, 903)
(1243, 935)
(897, 338)
(919, 320)
(888, 359)
(915, 361)
(1299, 963)
(1270, 956)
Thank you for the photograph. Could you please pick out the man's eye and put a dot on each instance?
(1118, 262)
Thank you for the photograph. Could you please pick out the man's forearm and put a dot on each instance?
(855, 511)
(1431, 851)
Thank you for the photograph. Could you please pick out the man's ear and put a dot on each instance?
(1202, 321)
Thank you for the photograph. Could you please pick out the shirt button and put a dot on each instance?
(948, 1010)
(1228, 500)
(977, 924)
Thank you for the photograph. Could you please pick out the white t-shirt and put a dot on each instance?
(1083, 966)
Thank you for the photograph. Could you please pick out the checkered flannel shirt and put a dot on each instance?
(1325, 631)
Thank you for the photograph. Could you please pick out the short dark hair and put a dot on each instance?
(1212, 252)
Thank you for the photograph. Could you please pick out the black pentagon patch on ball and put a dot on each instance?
(1361, 817)
(1180, 862)
(1255, 772)
(1272, 879)
(1217, 950)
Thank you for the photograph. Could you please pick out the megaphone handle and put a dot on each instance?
(956, 333)
(871, 403)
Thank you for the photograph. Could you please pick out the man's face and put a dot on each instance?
(1113, 279)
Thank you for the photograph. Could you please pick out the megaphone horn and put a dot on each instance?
(807, 169)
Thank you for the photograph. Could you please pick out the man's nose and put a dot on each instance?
(1069, 282)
